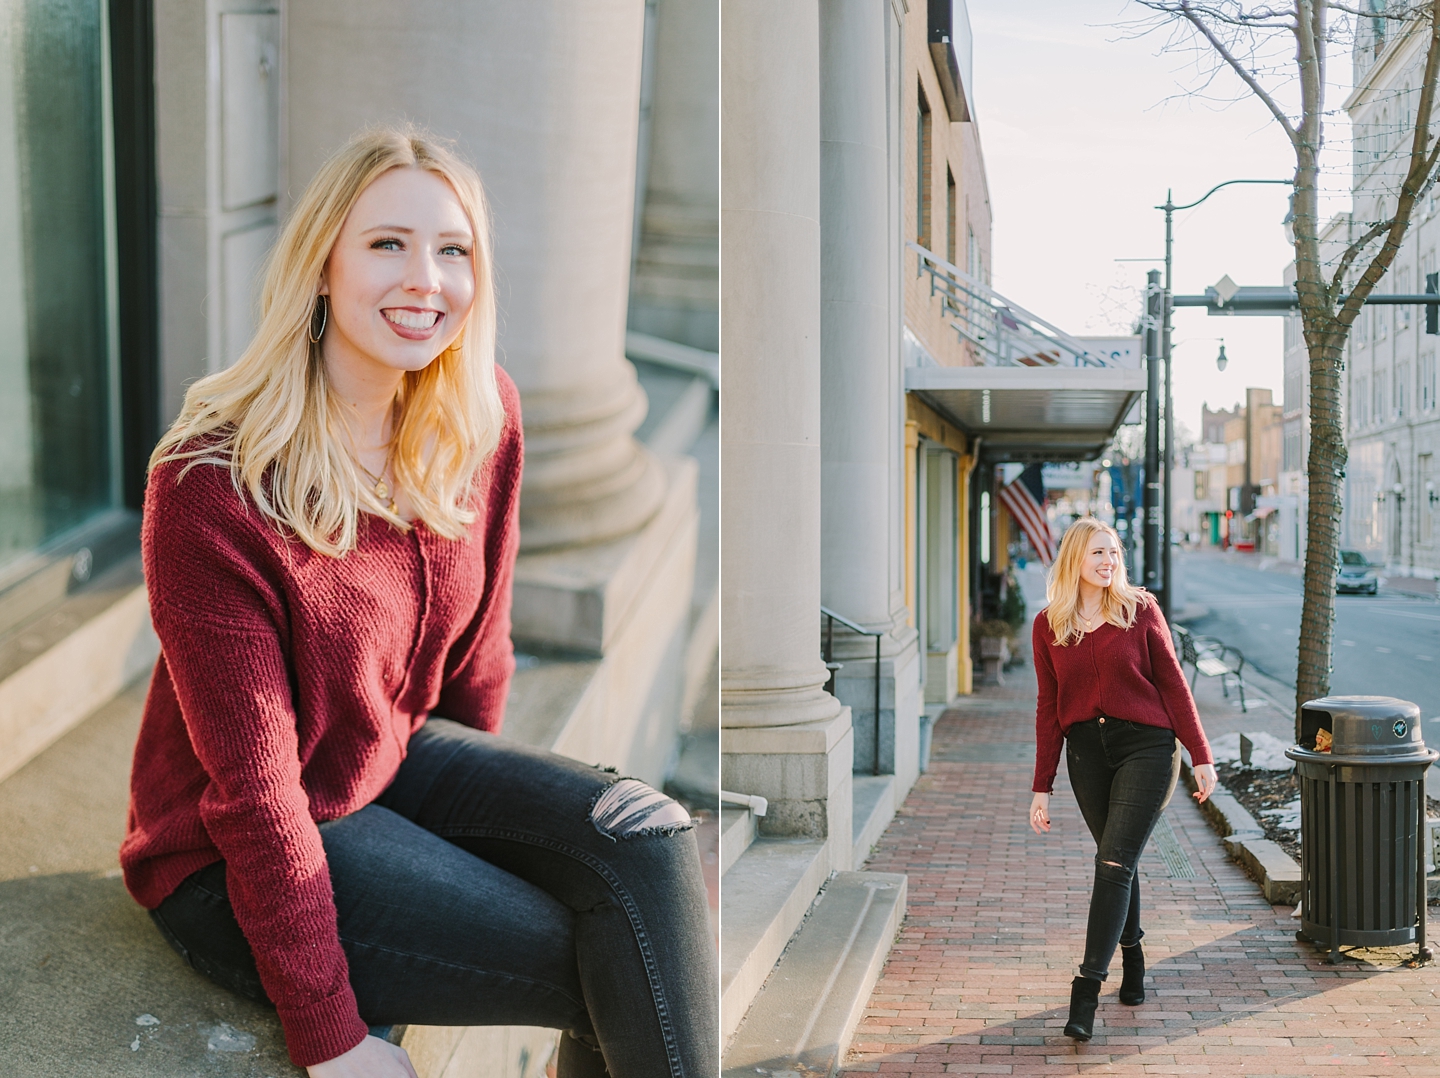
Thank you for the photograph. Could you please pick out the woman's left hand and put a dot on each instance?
(1205, 780)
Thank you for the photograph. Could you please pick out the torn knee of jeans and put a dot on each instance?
(1114, 868)
(627, 808)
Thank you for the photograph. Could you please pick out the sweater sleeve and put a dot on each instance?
(1048, 735)
(1174, 689)
(482, 659)
(220, 618)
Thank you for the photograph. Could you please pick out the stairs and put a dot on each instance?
(803, 947)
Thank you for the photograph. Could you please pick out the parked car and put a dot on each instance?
(1357, 574)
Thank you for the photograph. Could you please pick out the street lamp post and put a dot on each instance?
(1152, 466)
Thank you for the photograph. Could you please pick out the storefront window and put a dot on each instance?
(58, 466)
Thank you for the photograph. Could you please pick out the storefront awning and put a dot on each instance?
(1032, 413)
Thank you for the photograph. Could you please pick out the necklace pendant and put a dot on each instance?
(382, 491)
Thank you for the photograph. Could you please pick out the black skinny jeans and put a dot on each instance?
(492, 884)
(1123, 774)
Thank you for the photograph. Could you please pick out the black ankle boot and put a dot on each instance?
(1132, 986)
(1084, 996)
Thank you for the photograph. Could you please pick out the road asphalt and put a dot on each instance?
(1388, 645)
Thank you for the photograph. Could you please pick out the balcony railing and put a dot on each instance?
(1002, 333)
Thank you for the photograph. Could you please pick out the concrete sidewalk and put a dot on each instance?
(979, 980)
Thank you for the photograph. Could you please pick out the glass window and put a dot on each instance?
(57, 428)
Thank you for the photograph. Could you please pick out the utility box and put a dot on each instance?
(1363, 838)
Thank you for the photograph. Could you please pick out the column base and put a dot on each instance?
(804, 771)
(578, 599)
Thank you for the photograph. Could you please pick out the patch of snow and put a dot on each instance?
(147, 1020)
(1267, 753)
(135, 1044)
(226, 1038)
(1286, 816)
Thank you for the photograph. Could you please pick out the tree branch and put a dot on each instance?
(1188, 12)
(1353, 252)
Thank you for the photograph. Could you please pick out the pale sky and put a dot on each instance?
(1082, 133)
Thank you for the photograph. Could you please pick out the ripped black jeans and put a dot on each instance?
(494, 884)
(1123, 774)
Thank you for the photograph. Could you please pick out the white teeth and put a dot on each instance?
(412, 319)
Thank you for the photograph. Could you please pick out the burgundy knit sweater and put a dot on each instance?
(1119, 673)
(287, 688)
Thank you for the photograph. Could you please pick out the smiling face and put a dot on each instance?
(1100, 560)
(400, 278)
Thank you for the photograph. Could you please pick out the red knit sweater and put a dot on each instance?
(287, 688)
(1119, 673)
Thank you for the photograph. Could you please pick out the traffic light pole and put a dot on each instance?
(1163, 563)
(1150, 504)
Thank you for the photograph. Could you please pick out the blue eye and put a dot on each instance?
(454, 249)
(389, 243)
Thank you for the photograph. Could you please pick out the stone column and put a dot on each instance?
(861, 404)
(675, 293)
(544, 97)
(784, 736)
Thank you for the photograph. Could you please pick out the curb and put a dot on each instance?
(1275, 870)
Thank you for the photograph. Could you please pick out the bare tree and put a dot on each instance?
(1244, 38)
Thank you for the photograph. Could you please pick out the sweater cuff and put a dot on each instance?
(323, 1030)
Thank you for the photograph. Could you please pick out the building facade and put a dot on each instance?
(873, 385)
(1392, 424)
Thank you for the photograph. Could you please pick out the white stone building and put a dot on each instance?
(1391, 422)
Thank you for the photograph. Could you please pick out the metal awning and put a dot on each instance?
(1032, 413)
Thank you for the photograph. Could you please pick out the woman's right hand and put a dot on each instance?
(1040, 813)
(371, 1058)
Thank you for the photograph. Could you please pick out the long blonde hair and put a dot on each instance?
(1118, 603)
(272, 419)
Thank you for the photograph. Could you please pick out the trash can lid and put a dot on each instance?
(1370, 725)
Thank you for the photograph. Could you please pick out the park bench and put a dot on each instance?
(1210, 657)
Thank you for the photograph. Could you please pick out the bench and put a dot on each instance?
(1210, 657)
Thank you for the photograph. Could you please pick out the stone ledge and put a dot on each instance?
(1275, 870)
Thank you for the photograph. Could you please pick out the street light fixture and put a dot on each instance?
(1221, 359)
(1160, 559)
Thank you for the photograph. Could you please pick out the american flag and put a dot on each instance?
(1030, 515)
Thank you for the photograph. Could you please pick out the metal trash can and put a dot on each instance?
(1362, 823)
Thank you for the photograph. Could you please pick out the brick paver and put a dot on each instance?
(978, 980)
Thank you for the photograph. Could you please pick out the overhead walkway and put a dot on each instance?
(1038, 393)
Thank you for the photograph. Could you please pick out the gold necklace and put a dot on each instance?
(380, 487)
(1089, 620)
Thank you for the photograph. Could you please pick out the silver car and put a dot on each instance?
(1357, 574)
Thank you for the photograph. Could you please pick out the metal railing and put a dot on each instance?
(830, 664)
(1003, 333)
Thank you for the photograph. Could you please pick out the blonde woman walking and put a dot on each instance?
(321, 813)
(1110, 689)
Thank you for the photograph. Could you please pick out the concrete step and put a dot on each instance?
(738, 828)
(764, 897)
(874, 808)
(803, 1019)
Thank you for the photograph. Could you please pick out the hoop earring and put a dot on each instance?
(322, 307)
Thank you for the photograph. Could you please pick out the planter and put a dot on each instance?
(995, 653)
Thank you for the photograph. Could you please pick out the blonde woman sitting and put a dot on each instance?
(321, 813)
(1112, 691)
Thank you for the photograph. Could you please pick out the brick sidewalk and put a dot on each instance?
(979, 979)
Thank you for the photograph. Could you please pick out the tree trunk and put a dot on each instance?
(1326, 468)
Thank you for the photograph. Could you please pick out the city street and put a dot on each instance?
(1388, 645)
